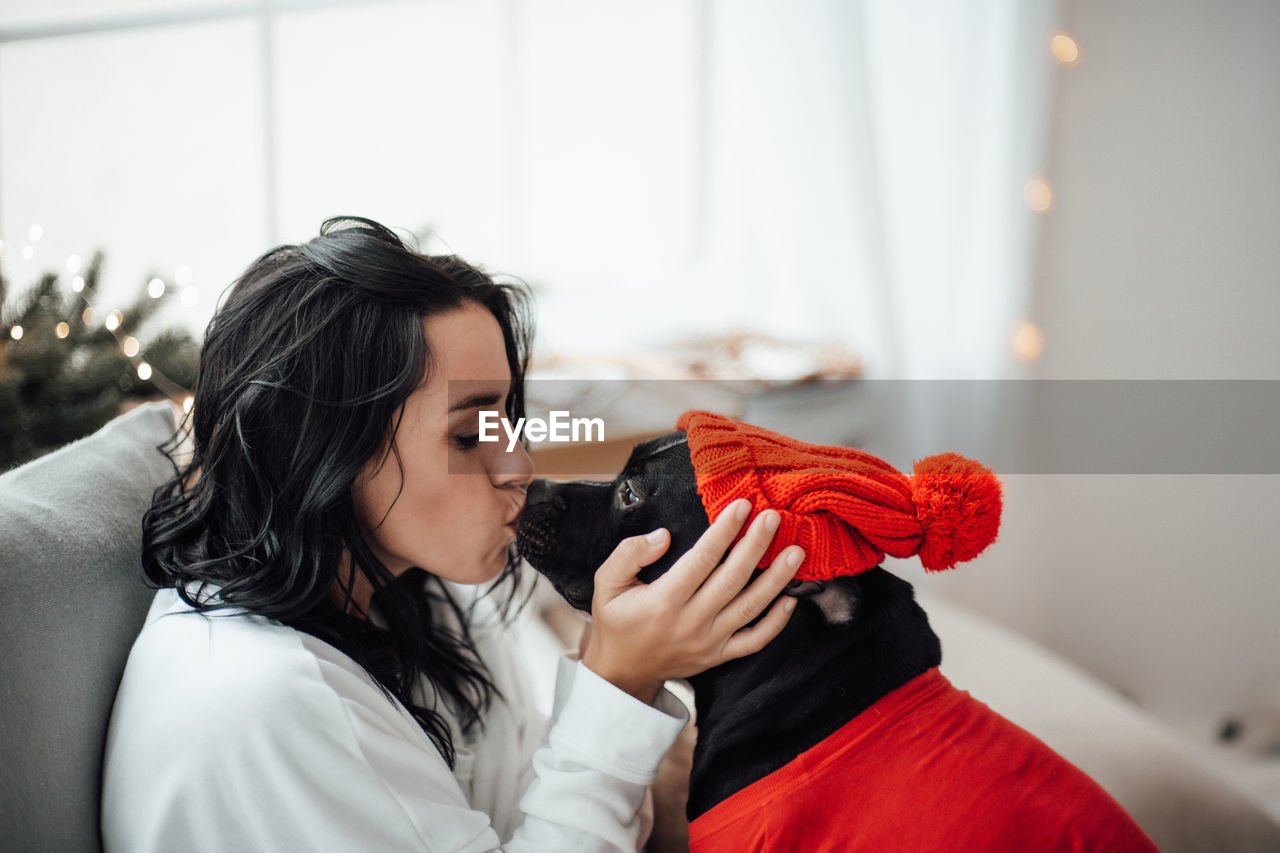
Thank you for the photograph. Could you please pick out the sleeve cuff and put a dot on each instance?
(609, 730)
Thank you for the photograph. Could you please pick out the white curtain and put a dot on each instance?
(864, 174)
(814, 169)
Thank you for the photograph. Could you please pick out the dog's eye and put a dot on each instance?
(628, 497)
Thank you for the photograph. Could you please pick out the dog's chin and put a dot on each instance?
(577, 599)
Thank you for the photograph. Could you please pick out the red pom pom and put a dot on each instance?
(958, 502)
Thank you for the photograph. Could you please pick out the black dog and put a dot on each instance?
(864, 637)
(852, 641)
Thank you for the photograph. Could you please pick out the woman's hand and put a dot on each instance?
(694, 616)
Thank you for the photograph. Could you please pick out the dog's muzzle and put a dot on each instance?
(536, 533)
(538, 542)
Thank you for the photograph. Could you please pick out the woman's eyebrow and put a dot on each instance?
(475, 401)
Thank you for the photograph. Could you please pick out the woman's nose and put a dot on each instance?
(511, 468)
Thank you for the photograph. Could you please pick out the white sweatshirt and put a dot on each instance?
(235, 732)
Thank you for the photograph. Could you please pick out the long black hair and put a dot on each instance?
(304, 370)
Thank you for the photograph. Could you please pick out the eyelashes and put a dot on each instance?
(467, 442)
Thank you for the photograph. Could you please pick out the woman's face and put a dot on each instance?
(450, 504)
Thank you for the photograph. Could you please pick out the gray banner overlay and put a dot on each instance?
(1012, 426)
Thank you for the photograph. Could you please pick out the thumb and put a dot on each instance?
(632, 554)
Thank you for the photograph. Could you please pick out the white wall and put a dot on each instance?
(1159, 260)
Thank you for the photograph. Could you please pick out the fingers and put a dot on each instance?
(751, 640)
(697, 564)
(632, 554)
(694, 616)
(749, 603)
(728, 581)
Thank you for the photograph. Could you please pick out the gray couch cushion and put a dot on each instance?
(73, 601)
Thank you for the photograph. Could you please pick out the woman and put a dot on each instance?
(316, 672)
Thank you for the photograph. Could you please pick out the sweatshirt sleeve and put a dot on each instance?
(602, 753)
(306, 753)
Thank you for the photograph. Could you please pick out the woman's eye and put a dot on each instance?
(628, 497)
(466, 442)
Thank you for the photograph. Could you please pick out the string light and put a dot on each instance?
(1038, 195)
(129, 345)
(1027, 341)
(1064, 49)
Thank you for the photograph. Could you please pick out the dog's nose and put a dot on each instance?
(537, 493)
(546, 493)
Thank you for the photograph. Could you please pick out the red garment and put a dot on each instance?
(926, 768)
(846, 508)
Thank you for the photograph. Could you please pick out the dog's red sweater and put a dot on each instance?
(927, 767)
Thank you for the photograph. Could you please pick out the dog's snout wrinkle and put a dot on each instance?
(536, 531)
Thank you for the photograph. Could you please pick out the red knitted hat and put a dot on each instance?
(846, 508)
